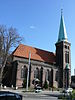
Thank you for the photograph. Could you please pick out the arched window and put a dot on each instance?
(36, 73)
(67, 57)
(23, 72)
(47, 74)
(41, 76)
(56, 76)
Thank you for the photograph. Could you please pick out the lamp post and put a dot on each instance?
(28, 71)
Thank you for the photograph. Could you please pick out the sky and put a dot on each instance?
(37, 21)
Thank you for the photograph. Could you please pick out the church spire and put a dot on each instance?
(62, 30)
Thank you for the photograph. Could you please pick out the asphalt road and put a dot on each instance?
(39, 98)
(44, 95)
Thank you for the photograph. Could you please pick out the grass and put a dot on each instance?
(29, 90)
(73, 95)
(70, 97)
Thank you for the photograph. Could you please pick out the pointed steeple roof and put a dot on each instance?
(62, 30)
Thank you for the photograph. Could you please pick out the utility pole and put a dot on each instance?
(28, 71)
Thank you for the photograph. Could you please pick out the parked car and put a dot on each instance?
(69, 90)
(38, 89)
(5, 95)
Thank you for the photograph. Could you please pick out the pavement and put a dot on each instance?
(22, 91)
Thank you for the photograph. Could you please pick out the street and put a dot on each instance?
(39, 97)
(44, 95)
(48, 98)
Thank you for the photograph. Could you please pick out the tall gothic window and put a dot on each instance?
(59, 58)
(41, 76)
(67, 57)
(36, 73)
(56, 76)
(47, 74)
(23, 72)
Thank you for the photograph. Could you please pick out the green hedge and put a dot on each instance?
(73, 95)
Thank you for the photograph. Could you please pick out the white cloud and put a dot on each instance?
(32, 27)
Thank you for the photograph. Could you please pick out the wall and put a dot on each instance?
(34, 64)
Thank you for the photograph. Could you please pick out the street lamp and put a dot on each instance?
(28, 71)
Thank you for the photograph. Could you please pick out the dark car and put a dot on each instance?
(5, 95)
(38, 89)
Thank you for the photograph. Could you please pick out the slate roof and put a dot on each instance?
(36, 54)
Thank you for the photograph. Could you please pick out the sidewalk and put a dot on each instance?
(43, 94)
(23, 92)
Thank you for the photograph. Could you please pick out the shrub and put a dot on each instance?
(73, 95)
(45, 85)
(24, 83)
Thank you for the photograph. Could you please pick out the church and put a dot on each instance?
(41, 66)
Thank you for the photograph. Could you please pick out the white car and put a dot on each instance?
(69, 90)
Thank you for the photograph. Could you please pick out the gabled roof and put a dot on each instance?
(62, 30)
(36, 54)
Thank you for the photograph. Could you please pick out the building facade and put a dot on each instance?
(55, 68)
(42, 66)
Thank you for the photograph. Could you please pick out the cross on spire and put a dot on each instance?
(61, 11)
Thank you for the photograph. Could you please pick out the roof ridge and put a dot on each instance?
(37, 48)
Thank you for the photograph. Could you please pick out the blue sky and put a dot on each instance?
(38, 21)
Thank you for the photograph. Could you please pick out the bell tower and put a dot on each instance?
(63, 56)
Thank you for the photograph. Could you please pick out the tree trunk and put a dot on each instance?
(2, 69)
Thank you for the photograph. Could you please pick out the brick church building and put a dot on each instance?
(55, 68)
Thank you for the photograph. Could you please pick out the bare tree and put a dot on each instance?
(8, 38)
